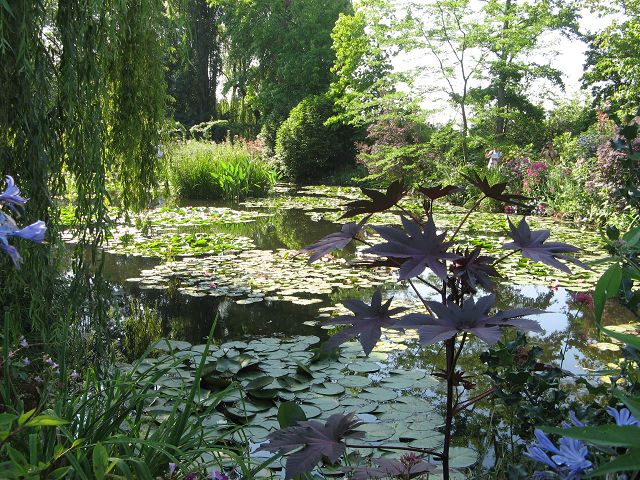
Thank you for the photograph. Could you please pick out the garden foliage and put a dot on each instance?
(307, 147)
(200, 170)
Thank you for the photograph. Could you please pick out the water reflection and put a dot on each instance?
(566, 331)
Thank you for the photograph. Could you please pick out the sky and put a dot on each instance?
(567, 55)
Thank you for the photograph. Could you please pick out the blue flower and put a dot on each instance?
(623, 417)
(8, 229)
(568, 462)
(34, 232)
(11, 196)
(573, 454)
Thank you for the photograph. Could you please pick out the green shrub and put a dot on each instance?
(307, 147)
(212, 171)
(214, 130)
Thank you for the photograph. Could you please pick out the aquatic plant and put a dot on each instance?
(415, 247)
(201, 170)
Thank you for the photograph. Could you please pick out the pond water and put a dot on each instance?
(239, 264)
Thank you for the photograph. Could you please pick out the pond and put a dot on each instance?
(240, 266)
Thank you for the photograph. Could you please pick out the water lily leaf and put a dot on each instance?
(461, 457)
(363, 367)
(378, 394)
(260, 382)
(354, 381)
(328, 389)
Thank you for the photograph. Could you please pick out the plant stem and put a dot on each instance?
(450, 353)
(504, 257)
(475, 205)
(429, 284)
(473, 400)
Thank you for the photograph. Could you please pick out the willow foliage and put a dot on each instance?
(83, 99)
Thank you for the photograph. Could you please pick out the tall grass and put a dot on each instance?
(209, 171)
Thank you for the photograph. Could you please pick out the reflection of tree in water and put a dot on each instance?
(510, 296)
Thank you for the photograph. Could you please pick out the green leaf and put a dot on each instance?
(632, 237)
(632, 340)
(633, 404)
(17, 457)
(59, 473)
(259, 383)
(607, 287)
(290, 414)
(628, 462)
(100, 461)
(607, 435)
(25, 416)
(46, 421)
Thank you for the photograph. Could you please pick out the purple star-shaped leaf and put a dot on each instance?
(473, 268)
(379, 201)
(472, 317)
(11, 196)
(317, 440)
(334, 241)
(421, 248)
(433, 193)
(366, 323)
(495, 191)
(532, 245)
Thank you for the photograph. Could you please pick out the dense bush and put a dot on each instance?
(309, 149)
(201, 170)
(215, 130)
(396, 148)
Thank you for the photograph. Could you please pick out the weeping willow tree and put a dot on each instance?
(83, 100)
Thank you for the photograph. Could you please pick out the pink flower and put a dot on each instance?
(583, 298)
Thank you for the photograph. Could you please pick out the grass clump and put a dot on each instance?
(209, 171)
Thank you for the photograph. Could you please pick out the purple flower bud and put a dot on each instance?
(24, 343)
(76, 376)
(217, 475)
(26, 361)
(623, 417)
(172, 466)
(11, 195)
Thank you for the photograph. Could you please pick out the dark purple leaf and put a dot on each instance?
(366, 323)
(473, 268)
(392, 468)
(531, 244)
(334, 241)
(314, 440)
(379, 201)
(473, 317)
(421, 248)
(496, 191)
(433, 193)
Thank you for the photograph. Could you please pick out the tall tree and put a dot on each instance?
(365, 85)
(83, 99)
(612, 69)
(450, 31)
(194, 72)
(278, 52)
(513, 30)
